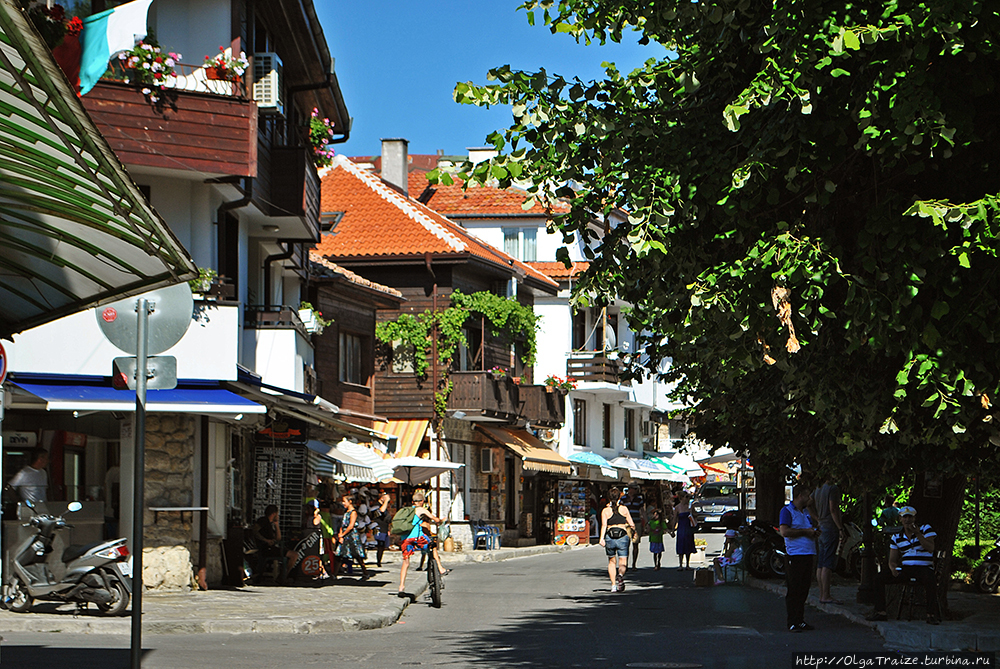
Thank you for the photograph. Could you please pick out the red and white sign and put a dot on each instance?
(3, 364)
(109, 315)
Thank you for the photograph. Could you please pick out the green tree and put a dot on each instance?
(812, 215)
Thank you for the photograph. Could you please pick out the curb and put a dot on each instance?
(384, 616)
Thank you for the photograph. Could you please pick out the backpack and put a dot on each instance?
(402, 521)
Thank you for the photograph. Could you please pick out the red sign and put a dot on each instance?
(109, 315)
(3, 364)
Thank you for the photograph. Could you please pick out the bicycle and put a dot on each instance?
(435, 582)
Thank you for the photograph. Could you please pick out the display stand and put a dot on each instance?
(573, 505)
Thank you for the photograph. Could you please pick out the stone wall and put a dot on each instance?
(168, 548)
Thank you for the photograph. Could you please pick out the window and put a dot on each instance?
(350, 359)
(402, 357)
(630, 429)
(607, 427)
(521, 243)
(580, 330)
(467, 356)
(579, 422)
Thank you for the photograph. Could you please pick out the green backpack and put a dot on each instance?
(402, 521)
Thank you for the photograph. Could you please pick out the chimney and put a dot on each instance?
(395, 163)
(478, 154)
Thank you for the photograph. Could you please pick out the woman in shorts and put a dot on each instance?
(616, 530)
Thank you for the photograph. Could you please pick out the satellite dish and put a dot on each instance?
(610, 339)
(169, 318)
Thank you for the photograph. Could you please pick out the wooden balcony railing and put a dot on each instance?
(259, 317)
(542, 408)
(593, 367)
(481, 396)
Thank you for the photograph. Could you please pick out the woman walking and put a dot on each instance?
(684, 524)
(615, 524)
(349, 543)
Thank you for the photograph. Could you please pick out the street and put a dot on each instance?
(546, 611)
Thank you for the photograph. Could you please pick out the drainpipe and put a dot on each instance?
(267, 270)
(434, 382)
(232, 205)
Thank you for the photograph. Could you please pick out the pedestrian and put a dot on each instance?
(826, 503)
(657, 526)
(349, 543)
(632, 498)
(615, 523)
(911, 555)
(381, 518)
(267, 536)
(32, 482)
(684, 524)
(800, 533)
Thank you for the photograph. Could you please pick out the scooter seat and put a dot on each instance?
(73, 552)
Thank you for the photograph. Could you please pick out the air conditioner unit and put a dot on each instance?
(486, 461)
(267, 76)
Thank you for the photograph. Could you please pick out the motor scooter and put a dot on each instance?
(849, 551)
(986, 577)
(99, 573)
(765, 552)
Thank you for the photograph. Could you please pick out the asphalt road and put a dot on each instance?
(547, 611)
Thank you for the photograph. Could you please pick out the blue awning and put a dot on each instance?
(61, 397)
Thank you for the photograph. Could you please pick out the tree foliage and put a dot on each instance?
(812, 207)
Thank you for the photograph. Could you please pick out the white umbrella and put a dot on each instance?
(414, 471)
(643, 469)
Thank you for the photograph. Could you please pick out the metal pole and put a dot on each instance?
(139, 472)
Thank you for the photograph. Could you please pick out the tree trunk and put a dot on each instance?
(939, 503)
(770, 480)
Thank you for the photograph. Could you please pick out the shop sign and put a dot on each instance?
(20, 439)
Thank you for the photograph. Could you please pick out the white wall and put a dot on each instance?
(280, 355)
(192, 28)
(76, 345)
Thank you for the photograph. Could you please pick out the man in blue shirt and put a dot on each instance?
(911, 556)
(800, 533)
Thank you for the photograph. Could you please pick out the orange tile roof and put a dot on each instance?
(326, 266)
(477, 200)
(379, 221)
(558, 271)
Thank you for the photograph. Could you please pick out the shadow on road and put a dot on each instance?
(43, 657)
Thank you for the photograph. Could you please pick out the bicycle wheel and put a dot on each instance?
(434, 581)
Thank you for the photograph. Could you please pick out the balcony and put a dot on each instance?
(202, 125)
(277, 347)
(483, 398)
(295, 187)
(542, 408)
(594, 367)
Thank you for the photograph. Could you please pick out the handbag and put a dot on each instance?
(615, 533)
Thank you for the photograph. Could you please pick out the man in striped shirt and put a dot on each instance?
(911, 556)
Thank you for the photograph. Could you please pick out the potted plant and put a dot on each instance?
(497, 373)
(555, 384)
(146, 66)
(320, 134)
(206, 277)
(313, 319)
(225, 67)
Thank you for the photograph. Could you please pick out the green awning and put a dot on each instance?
(75, 231)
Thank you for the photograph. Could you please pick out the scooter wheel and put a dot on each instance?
(119, 600)
(987, 577)
(20, 601)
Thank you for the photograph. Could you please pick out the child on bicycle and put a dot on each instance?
(418, 538)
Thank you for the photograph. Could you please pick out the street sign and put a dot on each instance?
(169, 318)
(3, 365)
(161, 373)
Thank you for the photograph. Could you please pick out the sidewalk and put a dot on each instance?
(973, 623)
(346, 605)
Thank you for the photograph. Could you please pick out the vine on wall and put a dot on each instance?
(508, 319)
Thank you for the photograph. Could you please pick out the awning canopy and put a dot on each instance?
(594, 460)
(647, 470)
(678, 461)
(75, 231)
(535, 455)
(329, 460)
(409, 435)
(414, 471)
(69, 397)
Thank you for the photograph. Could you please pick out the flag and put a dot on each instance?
(107, 33)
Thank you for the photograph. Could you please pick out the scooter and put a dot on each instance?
(98, 573)
(986, 577)
(849, 552)
(765, 553)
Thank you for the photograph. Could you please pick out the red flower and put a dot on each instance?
(159, 59)
(75, 26)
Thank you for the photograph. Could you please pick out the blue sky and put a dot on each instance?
(398, 61)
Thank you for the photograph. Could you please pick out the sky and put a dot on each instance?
(398, 61)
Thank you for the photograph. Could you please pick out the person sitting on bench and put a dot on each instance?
(911, 556)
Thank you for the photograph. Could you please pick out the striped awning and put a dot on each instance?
(327, 460)
(409, 434)
(535, 455)
(75, 231)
